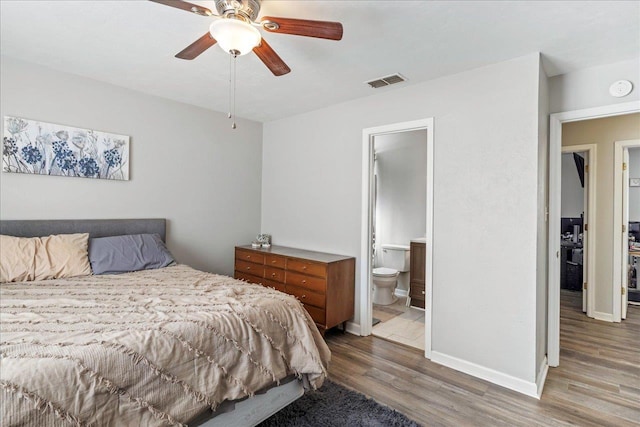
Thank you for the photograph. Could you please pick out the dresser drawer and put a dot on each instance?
(306, 296)
(250, 268)
(272, 284)
(317, 314)
(248, 277)
(307, 267)
(249, 256)
(275, 274)
(308, 282)
(275, 261)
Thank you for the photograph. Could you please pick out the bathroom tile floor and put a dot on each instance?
(400, 323)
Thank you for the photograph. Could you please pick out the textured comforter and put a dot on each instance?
(149, 348)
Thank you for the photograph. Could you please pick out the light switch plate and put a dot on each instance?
(634, 182)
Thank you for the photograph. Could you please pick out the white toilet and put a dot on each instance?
(395, 260)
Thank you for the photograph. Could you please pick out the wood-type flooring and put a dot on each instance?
(596, 384)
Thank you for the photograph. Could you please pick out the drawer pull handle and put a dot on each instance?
(248, 268)
(273, 274)
(273, 261)
(303, 296)
(248, 256)
(422, 292)
(304, 267)
(304, 281)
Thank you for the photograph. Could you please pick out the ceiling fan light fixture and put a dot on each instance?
(235, 35)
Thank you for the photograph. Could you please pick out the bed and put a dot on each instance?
(169, 346)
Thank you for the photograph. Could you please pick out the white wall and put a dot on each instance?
(590, 87)
(401, 168)
(187, 165)
(486, 185)
(572, 190)
(634, 192)
(542, 231)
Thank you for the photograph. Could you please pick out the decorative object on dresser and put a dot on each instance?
(324, 283)
(417, 274)
(264, 240)
(42, 148)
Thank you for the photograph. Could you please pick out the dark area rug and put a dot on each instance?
(334, 405)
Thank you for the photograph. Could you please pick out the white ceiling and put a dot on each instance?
(132, 43)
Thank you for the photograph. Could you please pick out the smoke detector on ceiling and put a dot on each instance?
(386, 81)
(621, 88)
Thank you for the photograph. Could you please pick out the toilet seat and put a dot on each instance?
(385, 272)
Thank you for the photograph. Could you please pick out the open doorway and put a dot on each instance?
(606, 294)
(399, 230)
(395, 235)
(578, 225)
(627, 220)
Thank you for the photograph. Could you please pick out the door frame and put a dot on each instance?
(555, 155)
(366, 310)
(590, 219)
(618, 242)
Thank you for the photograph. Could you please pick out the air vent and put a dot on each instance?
(386, 81)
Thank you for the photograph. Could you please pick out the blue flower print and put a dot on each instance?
(66, 160)
(31, 154)
(112, 157)
(59, 147)
(9, 146)
(88, 167)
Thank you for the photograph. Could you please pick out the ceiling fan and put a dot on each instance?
(235, 31)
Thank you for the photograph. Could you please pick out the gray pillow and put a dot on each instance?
(132, 252)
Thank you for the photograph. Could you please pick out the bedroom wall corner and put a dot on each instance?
(542, 255)
(187, 164)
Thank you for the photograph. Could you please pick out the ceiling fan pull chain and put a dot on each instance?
(230, 85)
(235, 57)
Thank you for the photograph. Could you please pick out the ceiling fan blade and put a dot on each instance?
(271, 59)
(197, 47)
(303, 27)
(184, 5)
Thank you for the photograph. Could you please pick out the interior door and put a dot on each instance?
(585, 248)
(625, 232)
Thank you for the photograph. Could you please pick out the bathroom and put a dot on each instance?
(399, 224)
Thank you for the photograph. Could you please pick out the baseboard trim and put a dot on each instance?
(401, 292)
(488, 374)
(542, 376)
(354, 328)
(605, 317)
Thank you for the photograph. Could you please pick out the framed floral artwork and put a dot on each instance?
(42, 148)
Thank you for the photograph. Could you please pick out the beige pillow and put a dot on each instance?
(17, 258)
(62, 255)
(40, 258)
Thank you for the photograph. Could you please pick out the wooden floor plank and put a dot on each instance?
(596, 384)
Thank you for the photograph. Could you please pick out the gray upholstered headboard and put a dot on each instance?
(95, 227)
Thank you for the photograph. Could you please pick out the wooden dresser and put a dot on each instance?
(417, 273)
(324, 283)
